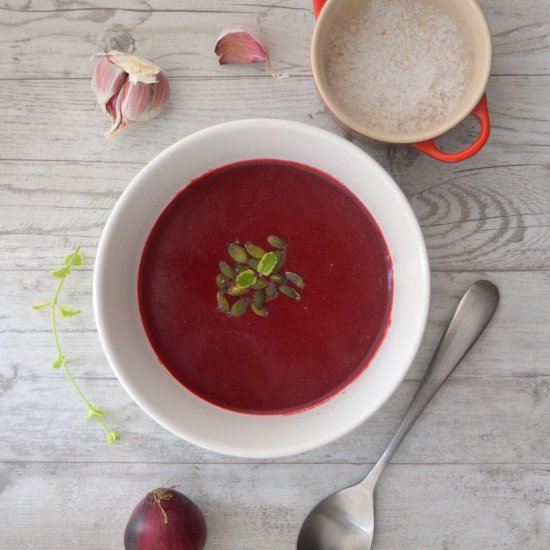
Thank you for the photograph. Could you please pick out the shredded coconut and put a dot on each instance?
(398, 66)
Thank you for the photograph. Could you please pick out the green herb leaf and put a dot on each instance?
(238, 253)
(74, 260)
(67, 311)
(59, 362)
(276, 242)
(62, 272)
(44, 305)
(254, 250)
(246, 279)
(267, 263)
(238, 309)
(295, 279)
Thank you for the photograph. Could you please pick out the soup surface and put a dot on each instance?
(304, 350)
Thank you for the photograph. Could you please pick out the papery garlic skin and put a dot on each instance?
(129, 89)
(240, 45)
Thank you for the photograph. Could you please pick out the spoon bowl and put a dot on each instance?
(345, 520)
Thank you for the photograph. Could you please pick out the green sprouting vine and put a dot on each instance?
(72, 261)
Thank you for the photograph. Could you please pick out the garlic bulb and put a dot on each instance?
(129, 89)
(240, 45)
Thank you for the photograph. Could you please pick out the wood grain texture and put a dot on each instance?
(496, 507)
(474, 474)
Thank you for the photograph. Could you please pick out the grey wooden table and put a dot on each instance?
(474, 474)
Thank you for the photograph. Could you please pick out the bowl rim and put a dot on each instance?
(165, 420)
(316, 58)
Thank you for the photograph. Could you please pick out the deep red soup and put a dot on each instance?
(303, 351)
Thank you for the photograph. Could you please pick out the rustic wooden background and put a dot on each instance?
(474, 474)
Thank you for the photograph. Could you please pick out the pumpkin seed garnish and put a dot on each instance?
(246, 278)
(259, 298)
(295, 279)
(223, 304)
(267, 263)
(253, 263)
(260, 284)
(239, 308)
(254, 278)
(260, 311)
(289, 291)
(254, 250)
(227, 270)
(238, 253)
(221, 283)
(236, 291)
(270, 291)
(276, 242)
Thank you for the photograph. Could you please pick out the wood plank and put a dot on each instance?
(481, 415)
(180, 36)
(490, 218)
(455, 507)
(516, 344)
(67, 113)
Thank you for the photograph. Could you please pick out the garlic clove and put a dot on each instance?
(240, 45)
(107, 81)
(142, 102)
(138, 102)
(129, 89)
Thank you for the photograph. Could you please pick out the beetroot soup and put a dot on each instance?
(277, 326)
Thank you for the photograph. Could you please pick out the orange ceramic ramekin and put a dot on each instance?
(475, 32)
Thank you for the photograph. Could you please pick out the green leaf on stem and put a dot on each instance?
(59, 362)
(44, 305)
(67, 311)
(112, 437)
(62, 272)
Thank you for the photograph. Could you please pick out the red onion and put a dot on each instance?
(165, 520)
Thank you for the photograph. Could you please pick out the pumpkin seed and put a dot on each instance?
(276, 242)
(270, 291)
(227, 270)
(260, 284)
(277, 278)
(223, 304)
(254, 250)
(289, 291)
(237, 252)
(281, 257)
(236, 291)
(259, 311)
(253, 263)
(259, 298)
(295, 279)
(221, 282)
(239, 307)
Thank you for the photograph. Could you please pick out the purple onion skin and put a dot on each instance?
(185, 528)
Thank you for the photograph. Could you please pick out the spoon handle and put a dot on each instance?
(470, 319)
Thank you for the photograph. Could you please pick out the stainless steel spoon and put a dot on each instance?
(345, 520)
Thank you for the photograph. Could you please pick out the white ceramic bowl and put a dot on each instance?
(116, 275)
